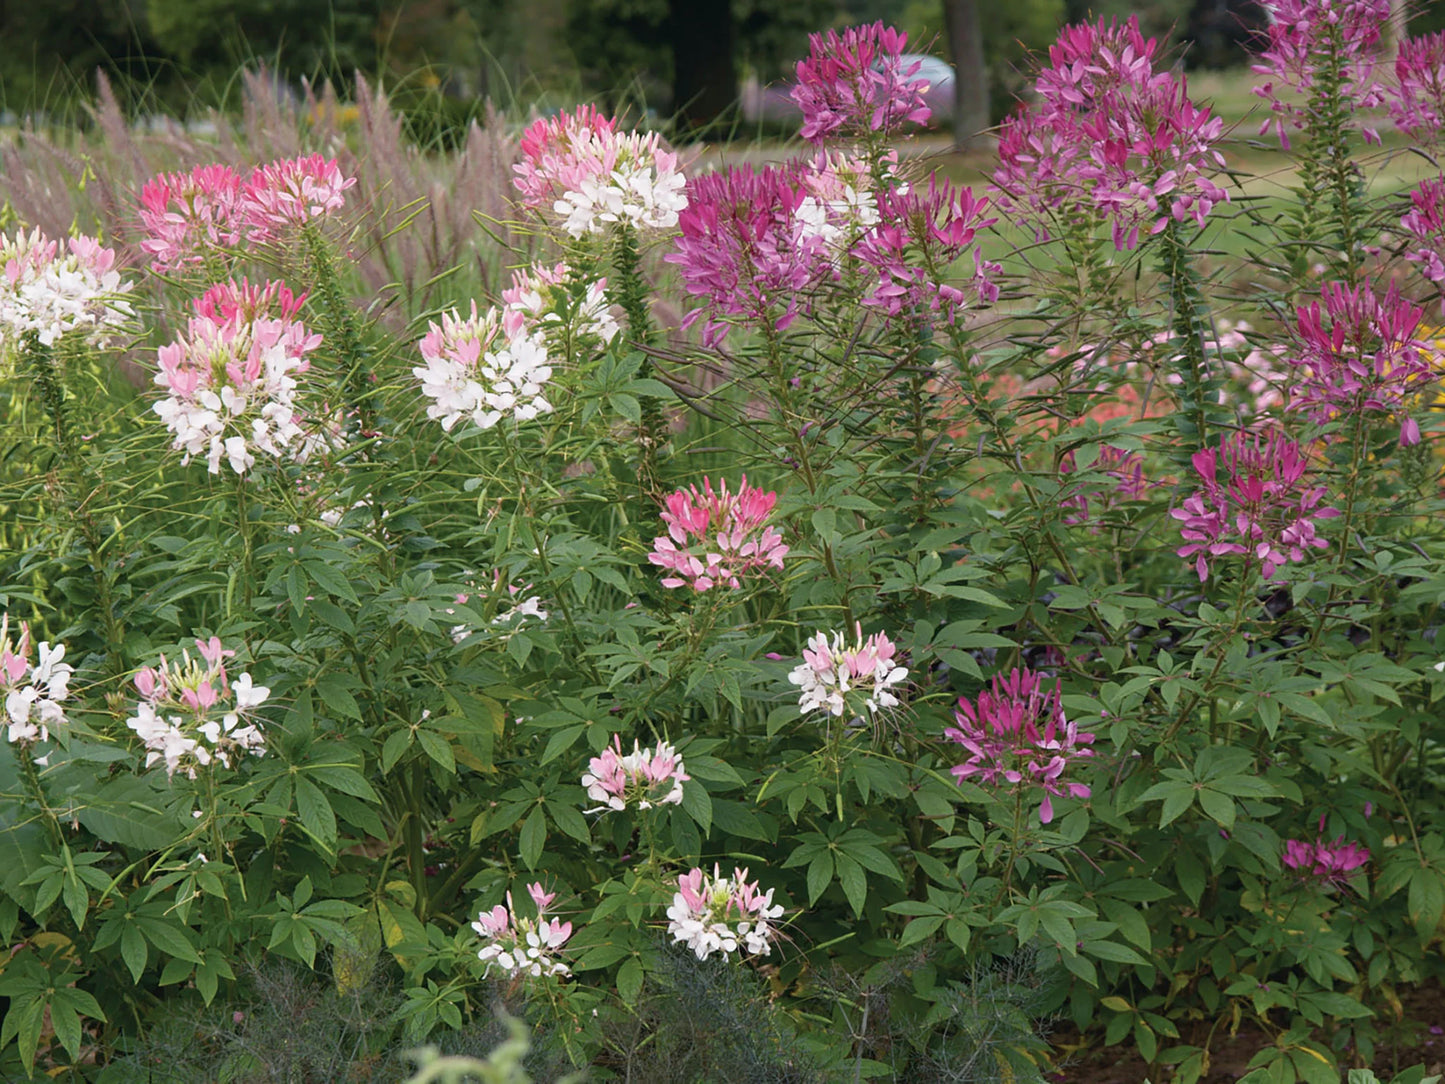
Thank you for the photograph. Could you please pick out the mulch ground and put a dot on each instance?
(1419, 1038)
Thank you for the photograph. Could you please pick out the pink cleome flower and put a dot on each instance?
(1366, 359)
(831, 670)
(1308, 37)
(715, 536)
(520, 945)
(30, 692)
(1264, 510)
(1417, 98)
(1018, 738)
(193, 714)
(53, 291)
(721, 914)
(643, 778)
(1127, 470)
(555, 301)
(1425, 221)
(589, 175)
(291, 192)
(184, 214)
(856, 82)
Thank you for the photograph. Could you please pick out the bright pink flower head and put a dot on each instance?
(1018, 737)
(1417, 99)
(1256, 502)
(1359, 353)
(1091, 63)
(856, 82)
(184, 214)
(744, 249)
(244, 302)
(1329, 865)
(1426, 222)
(560, 152)
(715, 537)
(1309, 38)
(291, 192)
(921, 231)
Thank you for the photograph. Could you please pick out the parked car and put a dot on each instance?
(773, 104)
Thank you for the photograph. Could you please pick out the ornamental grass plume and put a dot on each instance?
(643, 778)
(717, 537)
(475, 370)
(590, 176)
(856, 83)
(721, 914)
(1111, 138)
(232, 377)
(194, 714)
(1256, 502)
(1320, 46)
(50, 292)
(1018, 738)
(32, 690)
(1417, 98)
(183, 215)
(519, 945)
(1368, 358)
(838, 678)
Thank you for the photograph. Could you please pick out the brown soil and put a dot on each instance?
(1419, 1038)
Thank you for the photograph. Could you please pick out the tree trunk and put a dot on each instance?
(970, 81)
(704, 78)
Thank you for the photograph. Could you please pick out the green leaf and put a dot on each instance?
(438, 748)
(1219, 806)
(133, 950)
(820, 875)
(1426, 902)
(316, 813)
(629, 981)
(169, 938)
(698, 803)
(1113, 952)
(534, 836)
(853, 880)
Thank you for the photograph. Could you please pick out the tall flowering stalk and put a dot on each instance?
(716, 537)
(1256, 502)
(722, 914)
(193, 713)
(518, 945)
(1019, 740)
(231, 378)
(838, 677)
(1360, 353)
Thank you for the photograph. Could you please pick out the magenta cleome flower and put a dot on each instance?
(1425, 221)
(746, 249)
(643, 778)
(519, 945)
(185, 214)
(1110, 138)
(721, 914)
(1264, 510)
(856, 82)
(1417, 98)
(1326, 865)
(1018, 738)
(1307, 37)
(1127, 470)
(1366, 359)
(716, 537)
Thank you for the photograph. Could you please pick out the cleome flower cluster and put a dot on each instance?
(50, 291)
(590, 176)
(840, 678)
(475, 370)
(715, 537)
(523, 946)
(1327, 865)
(1018, 738)
(193, 714)
(232, 377)
(187, 216)
(643, 778)
(722, 914)
(32, 690)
